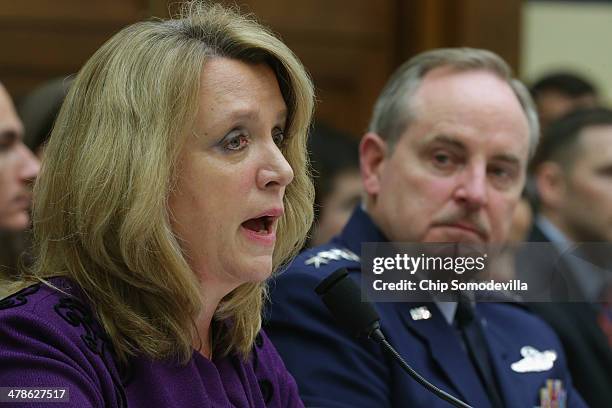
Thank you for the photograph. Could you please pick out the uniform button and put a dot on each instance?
(259, 340)
(267, 390)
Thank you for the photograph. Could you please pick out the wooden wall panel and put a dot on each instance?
(350, 47)
(44, 39)
(493, 25)
(74, 11)
(360, 17)
(347, 81)
(48, 50)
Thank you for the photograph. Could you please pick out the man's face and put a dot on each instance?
(18, 167)
(586, 208)
(456, 173)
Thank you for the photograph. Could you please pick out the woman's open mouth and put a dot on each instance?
(261, 229)
(260, 225)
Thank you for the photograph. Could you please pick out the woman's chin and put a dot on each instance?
(258, 269)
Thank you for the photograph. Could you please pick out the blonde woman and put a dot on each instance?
(174, 183)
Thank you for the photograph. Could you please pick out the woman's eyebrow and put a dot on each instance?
(251, 114)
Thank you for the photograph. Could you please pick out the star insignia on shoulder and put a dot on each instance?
(334, 254)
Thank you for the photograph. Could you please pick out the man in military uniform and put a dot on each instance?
(444, 160)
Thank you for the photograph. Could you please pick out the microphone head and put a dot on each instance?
(342, 297)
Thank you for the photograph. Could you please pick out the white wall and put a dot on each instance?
(572, 35)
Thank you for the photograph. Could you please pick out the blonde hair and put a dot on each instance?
(101, 213)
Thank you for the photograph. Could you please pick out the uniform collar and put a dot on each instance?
(359, 229)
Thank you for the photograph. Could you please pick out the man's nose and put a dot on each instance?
(29, 165)
(472, 189)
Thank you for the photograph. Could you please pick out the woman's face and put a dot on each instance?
(232, 176)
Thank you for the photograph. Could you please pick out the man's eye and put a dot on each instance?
(7, 141)
(500, 172)
(442, 159)
(497, 172)
(502, 177)
(237, 142)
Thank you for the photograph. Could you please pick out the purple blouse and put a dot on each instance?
(49, 339)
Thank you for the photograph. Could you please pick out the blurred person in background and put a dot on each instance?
(39, 109)
(573, 174)
(174, 184)
(504, 266)
(522, 220)
(334, 157)
(18, 169)
(558, 93)
(555, 94)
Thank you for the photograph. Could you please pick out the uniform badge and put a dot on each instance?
(553, 395)
(534, 361)
(420, 313)
(334, 254)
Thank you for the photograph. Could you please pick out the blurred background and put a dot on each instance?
(349, 46)
(558, 48)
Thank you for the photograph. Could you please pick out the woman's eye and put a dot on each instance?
(279, 137)
(237, 142)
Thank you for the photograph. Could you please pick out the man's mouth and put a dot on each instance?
(467, 228)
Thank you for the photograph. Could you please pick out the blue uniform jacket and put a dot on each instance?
(333, 369)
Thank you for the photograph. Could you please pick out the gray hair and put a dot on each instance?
(392, 113)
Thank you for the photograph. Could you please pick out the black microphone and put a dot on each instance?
(343, 299)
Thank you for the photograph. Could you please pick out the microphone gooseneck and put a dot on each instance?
(343, 299)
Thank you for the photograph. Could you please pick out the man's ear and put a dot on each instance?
(551, 185)
(372, 154)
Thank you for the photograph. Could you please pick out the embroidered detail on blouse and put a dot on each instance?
(20, 298)
(78, 314)
(254, 352)
(259, 341)
(267, 390)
